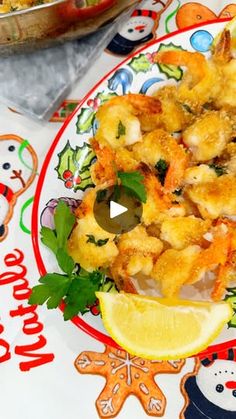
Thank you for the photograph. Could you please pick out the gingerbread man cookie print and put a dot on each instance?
(18, 167)
(127, 375)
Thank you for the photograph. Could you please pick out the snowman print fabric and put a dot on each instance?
(211, 393)
(18, 167)
(139, 29)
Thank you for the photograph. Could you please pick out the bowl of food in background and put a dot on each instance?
(26, 25)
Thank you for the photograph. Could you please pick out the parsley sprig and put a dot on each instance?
(76, 286)
(133, 182)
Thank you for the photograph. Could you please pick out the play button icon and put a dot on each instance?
(116, 210)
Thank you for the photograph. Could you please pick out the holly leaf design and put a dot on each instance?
(171, 71)
(231, 298)
(83, 157)
(140, 64)
(85, 120)
(66, 161)
(83, 181)
(74, 166)
(104, 97)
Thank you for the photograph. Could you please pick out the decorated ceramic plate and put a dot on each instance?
(66, 175)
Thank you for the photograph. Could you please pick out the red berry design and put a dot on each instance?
(67, 174)
(77, 180)
(90, 103)
(69, 184)
(96, 104)
(95, 310)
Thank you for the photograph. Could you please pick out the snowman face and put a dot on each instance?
(16, 164)
(218, 383)
(4, 208)
(137, 28)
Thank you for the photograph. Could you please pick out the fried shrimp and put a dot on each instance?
(138, 253)
(201, 82)
(120, 119)
(185, 180)
(89, 245)
(208, 135)
(163, 147)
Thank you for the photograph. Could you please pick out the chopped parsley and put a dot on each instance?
(220, 170)
(121, 130)
(161, 167)
(99, 243)
(178, 192)
(187, 108)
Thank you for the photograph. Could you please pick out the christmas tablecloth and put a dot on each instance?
(50, 368)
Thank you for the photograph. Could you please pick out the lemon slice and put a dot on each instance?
(161, 328)
(231, 26)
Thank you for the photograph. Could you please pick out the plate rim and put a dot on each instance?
(77, 320)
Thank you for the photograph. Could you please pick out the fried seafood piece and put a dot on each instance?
(201, 82)
(199, 174)
(226, 162)
(158, 204)
(226, 274)
(120, 119)
(109, 161)
(227, 271)
(223, 57)
(138, 253)
(173, 269)
(216, 198)
(208, 135)
(221, 52)
(174, 116)
(181, 232)
(103, 169)
(90, 245)
(214, 259)
(228, 158)
(159, 145)
(227, 97)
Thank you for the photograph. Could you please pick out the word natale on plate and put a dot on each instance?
(15, 276)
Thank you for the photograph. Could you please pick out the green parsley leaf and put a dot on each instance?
(121, 130)
(101, 195)
(82, 293)
(187, 108)
(116, 193)
(162, 167)
(178, 192)
(133, 182)
(49, 238)
(99, 243)
(64, 221)
(54, 287)
(220, 170)
(65, 261)
(77, 288)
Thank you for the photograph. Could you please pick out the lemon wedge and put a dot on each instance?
(161, 328)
